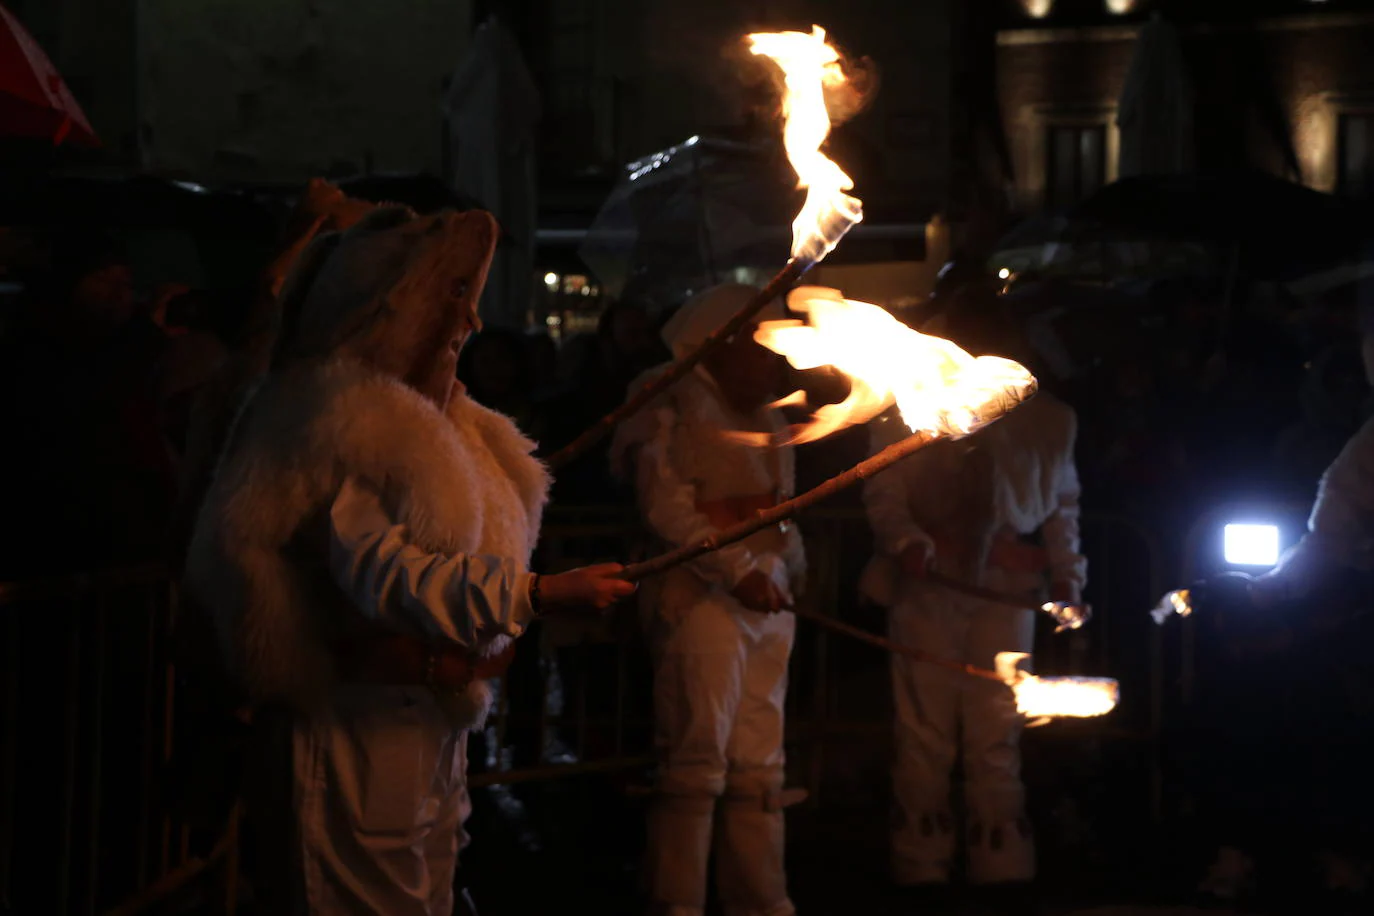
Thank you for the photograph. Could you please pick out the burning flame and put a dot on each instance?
(1067, 616)
(809, 67)
(1178, 602)
(1056, 697)
(938, 387)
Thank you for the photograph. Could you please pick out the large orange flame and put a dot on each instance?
(1056, 697)
(938, 387)
(810, 66)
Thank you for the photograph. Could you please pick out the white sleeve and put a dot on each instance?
(669, 503)
(1341, 528)
(464, 599)
(1060, 531)
(885, 495)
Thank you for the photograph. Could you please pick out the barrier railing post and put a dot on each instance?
(231, 860)
(69, 723)
(9, 740)
(146, 741)
(97, 713)
(621, 676)
(168, 735)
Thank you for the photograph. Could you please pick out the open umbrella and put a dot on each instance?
(683, 218)
(1276, 228)
(34, 99)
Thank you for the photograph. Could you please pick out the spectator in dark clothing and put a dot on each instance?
(1134, 457)
(497, 369)
(626, 345)
(82, 430)
(543, 359)
(1333, 395)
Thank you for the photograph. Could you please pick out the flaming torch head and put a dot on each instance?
(1179, 601)
(938, 387)
(1067, 616)
(810, 66)
(1056, 697)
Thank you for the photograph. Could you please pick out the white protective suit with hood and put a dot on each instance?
(347, 508)
(976, 502)
(1340, 531)
(720, 670)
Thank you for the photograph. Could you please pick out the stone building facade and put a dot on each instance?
(1282, 86)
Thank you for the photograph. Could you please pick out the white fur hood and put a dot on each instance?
(465, 482)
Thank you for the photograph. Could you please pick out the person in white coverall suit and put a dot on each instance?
(1329, 570)
(1340, 530)
(719, 631)
(362, 551)
(997, 509)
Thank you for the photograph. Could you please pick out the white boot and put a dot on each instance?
(922, 847)
(678, 851)
(1000, 852)
(750, 874)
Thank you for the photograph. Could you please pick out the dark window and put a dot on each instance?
(1355, 149)
(1075, 163)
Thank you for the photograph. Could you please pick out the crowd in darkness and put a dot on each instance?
(115, 397)
(101, 384)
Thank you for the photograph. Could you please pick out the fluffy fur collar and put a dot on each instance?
(465, 482)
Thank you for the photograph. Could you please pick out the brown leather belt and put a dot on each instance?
(1018, 556)
(1008, 551)
(395, 659)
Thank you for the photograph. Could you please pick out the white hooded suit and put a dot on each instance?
(720, 669)
(975, 502)
(1340, 531)
(348, 508)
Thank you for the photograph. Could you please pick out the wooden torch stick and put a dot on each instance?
(977, 591)
(785, 510)
(782, 511)
(879, 462)
(775, 288)
(894, 647)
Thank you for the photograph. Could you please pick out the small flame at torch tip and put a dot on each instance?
(1054, 697)
(1067, 616)
(1178, 602)
(938, 388)
(810, 65)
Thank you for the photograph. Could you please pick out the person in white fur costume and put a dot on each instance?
(719, 631)
(362, 551)
(998, 509)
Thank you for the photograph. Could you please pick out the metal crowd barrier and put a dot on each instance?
(91, 656)
(88, 699)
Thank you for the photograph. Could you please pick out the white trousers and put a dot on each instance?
(939, 713)
(720, 683)
(380, 798)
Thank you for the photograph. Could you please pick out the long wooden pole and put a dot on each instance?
(776, 287)
(785, 510)
(782, 511)
(978, 591)
(895, 647)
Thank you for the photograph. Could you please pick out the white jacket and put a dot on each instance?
(463, 491)
(680, 458)
(1034, 488)
(1340, 531)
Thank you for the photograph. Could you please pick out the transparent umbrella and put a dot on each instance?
(689, 216)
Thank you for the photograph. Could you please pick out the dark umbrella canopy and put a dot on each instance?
(682, 218)
(1278, 227)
